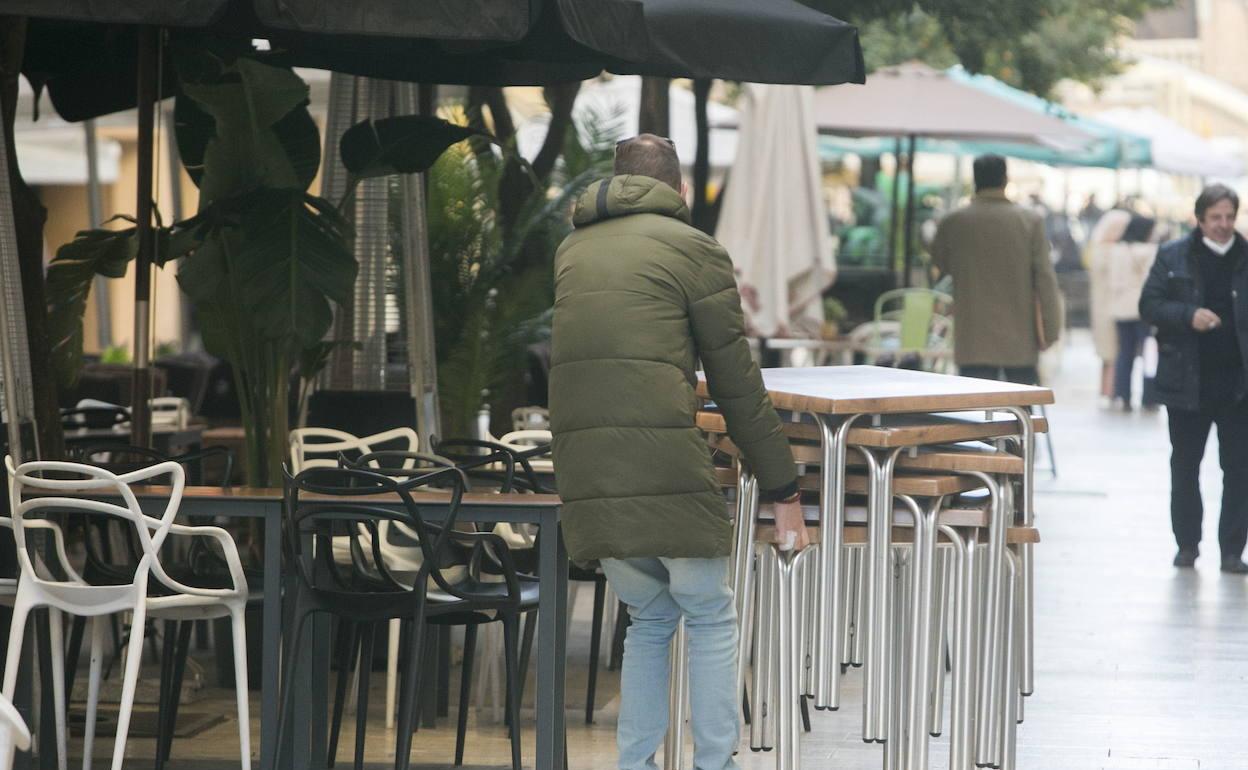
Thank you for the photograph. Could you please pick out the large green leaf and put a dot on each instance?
(409, 144)
(292, 261)
(244, 125)
(72, 271)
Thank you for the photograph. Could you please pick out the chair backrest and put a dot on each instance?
(90, 413)
(921, 318)
(530, 418)
(321, 447)
(14, 735)
(336, 511)
(63, 486)
(170, 411)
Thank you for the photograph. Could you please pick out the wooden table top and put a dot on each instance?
(884, 390)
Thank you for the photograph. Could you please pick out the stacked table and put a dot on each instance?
(885, 416)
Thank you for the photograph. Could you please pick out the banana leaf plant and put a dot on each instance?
(263, 260)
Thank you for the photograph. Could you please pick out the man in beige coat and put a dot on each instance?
(1006, 301)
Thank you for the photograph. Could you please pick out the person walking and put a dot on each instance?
(1006, 301)
(1104, 237)
(1129, 261)
(1197, 297)
(640, 297)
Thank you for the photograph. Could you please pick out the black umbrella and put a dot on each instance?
(98, 56)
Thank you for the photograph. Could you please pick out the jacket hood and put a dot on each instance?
(621, 196)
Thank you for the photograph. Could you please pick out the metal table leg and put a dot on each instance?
(1028, 610)
(552, 620)
(921, 632)
(271, 635)
(834, 442)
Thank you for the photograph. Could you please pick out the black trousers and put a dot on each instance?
(1021, 375)
(1189, 432)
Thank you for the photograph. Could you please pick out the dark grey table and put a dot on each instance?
(309, 724)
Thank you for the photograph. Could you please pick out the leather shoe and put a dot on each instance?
(1186, 557)
(1234, 565)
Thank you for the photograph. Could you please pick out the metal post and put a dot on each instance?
(140, 418)
(422, 358)
(909, 256)
(95, 212)
(895, 207)
(15, 375)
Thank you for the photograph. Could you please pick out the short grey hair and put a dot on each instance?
(649, 155)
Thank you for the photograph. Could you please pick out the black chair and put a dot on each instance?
(200, 566)
(523, 477)
(366, 592)
(494, 467)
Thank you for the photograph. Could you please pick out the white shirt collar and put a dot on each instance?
(1220, 249)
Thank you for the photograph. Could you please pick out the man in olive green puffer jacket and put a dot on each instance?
(640, 298)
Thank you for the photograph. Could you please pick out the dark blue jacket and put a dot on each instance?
(1171, 296)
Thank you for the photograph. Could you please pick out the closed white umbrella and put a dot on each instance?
(773, 220)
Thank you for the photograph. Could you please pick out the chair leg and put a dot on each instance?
(622, 621)
(465, 684)
(526, 649)
(511, 652)
(348, 643)
(57, 642)
(130, 680)
(595, 641)
(239, 629)
(182, 651)
(408, 711)
(72, 653)
(95, 668)
(367, 636)
(392, 670)
(167, 657)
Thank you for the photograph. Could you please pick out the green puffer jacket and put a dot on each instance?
(640, 296)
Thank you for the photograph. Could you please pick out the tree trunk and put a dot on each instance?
(29, 217)
(702, 161)
(655, 117)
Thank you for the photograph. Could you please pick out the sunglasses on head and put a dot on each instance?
(670, 143)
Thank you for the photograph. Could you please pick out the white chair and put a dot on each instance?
(71, 490)
(14, 734)
(170, 411)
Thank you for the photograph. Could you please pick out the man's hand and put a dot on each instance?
(790, 526)
(1204, 320)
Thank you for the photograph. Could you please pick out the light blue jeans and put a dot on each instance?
(658, 593)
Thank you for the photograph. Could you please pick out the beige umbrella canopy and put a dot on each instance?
(916, 100)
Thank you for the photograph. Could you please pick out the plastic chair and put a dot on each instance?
(365, 592)
(909, 325)
(197, 565)
(170, 411)
(14, 735)
(74, 595)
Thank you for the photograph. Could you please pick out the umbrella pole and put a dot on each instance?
(909, 256)
(95, 212)
(895, 207)
(140, 417)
